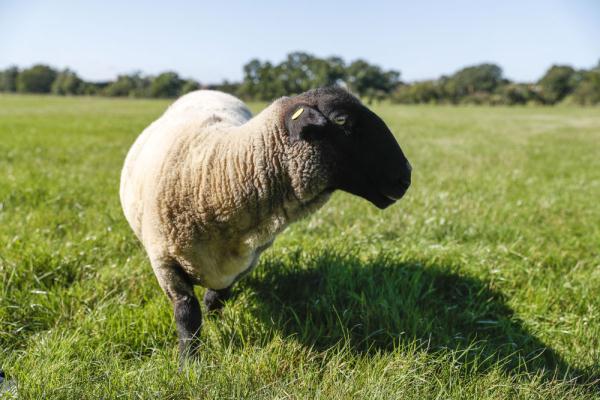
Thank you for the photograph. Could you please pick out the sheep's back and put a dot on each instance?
(186, 119)
(209, 106)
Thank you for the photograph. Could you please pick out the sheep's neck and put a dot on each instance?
(290, 173)
(244, 182)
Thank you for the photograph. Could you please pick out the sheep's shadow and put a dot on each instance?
(376, 305)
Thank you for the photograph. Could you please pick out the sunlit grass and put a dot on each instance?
(483, 283)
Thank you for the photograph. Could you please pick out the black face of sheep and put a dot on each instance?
(366, 159)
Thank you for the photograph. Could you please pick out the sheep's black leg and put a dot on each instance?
(214, 300)
(186, 308)
(188, 318)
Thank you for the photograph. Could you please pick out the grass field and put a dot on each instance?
(482, 283)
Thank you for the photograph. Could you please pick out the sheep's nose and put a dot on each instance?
(405, 178)
(397, 186)
(403, 182)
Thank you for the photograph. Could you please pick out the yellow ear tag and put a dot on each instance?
(298, 113)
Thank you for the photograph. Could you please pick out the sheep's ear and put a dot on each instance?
(305, 123)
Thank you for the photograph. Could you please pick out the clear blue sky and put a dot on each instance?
(211, 40)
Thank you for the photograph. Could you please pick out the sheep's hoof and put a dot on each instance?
(214, 300)
(7, 387)
(189, 352)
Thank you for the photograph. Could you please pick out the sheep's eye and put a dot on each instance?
(339, 119)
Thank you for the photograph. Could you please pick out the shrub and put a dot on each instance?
(37, 79)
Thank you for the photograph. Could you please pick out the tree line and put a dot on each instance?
(265, 81)
(485, 84)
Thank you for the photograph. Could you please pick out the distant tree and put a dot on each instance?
(366, 79)
(477, 78)
(37, 79)
(587, 91)
(418, 92)
(275, 84)
(557, 83)
(133, 85)
(89, 89)
(189, 86)
(167, 84)
(142, 85)
(263, 81)
(67, 82)
(295, 73)
(93, 88)
(520, 93)
(327, 72)
(8, 79)
(252, 71)
(251, 79)
(479, 98)
(514, 93)
(301, 71)
(448, 89)
(123, 86)
(227, 87)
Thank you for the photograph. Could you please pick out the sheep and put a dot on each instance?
(207, 187)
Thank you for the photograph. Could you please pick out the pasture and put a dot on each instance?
(482, 283)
